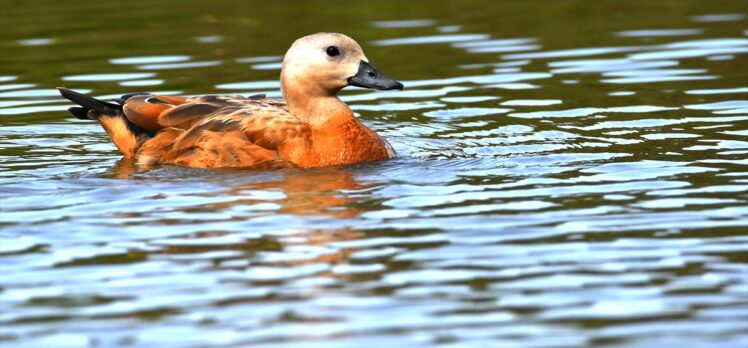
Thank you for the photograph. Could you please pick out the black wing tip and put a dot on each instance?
(66, 92)
(79, 112)
(69, 93)
(87, 102)
(130, 95)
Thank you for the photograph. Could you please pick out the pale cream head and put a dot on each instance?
(320, 64)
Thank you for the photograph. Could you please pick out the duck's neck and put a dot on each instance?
(319, 112)
(317, 109)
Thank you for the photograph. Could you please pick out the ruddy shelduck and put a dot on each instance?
(311, 128)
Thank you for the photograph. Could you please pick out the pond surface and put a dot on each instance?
(569, 173)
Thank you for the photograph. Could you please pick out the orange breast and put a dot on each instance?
(346, 142)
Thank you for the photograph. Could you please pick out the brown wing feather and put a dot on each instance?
(155, 112)
(247, 135)
(187, 115)
(154, 150)
(171, 99)
(215, 149)
(218, 131)
(143, 113)
(270, 129)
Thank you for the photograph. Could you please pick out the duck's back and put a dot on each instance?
(215, 131)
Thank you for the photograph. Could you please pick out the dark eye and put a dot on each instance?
(332, 51)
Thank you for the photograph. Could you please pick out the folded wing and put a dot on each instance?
(218, 131)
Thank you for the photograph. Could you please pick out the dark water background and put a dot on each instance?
(570, 173)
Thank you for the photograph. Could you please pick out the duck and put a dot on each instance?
(310, 127)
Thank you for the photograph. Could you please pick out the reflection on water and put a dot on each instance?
(576, 178)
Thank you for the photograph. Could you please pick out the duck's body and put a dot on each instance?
(313, 128)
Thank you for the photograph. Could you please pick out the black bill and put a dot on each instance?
(368, 77)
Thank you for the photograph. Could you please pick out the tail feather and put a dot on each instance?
(79, 113)
(126, 136)
(87, 102)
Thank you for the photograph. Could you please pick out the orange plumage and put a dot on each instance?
(312, 128)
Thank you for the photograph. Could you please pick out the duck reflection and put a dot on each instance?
(317, 192)
(311, 192)
(296, 195)
(308, 193)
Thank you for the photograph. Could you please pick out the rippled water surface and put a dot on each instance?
(569, 173)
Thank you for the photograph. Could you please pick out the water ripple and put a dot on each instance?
(554, 185)
(149, 60)
(109, 77)
(659, 32)
(431, 39)
(413, 23)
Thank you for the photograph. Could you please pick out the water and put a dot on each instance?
(568, 174)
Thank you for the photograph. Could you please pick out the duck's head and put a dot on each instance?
(324, 63)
